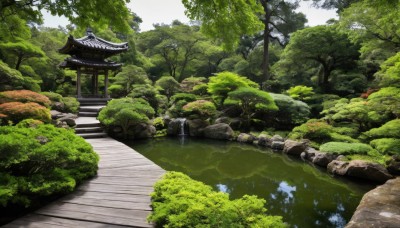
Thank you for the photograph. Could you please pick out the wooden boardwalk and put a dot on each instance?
(117, 197)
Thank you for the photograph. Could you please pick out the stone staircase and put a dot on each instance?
(87, 126)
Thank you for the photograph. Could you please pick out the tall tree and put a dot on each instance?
(229, 20)
(83, 13)
(322, 45)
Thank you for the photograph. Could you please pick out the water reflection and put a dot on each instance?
(302, 195)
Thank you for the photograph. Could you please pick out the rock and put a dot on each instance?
(58, 106)
(393, 165)
(276, 145)
(196, 127)
(303, 155)
(360, 169)
(338, 167)
(218, 131)
(368, 170)
(277, 138)
(264, 140)
(174, 127)
(246, 138)
(323, 159)
(294, 147)
(310, 153)
(379, 207)
(236, 123)
(55, 114)
(69, 121)
(116, 129)
(143, 130)
(341, 158)
(223, 119)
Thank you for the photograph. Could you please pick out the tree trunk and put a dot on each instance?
(19, 61)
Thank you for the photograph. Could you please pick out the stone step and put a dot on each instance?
(89, 130)
(92, 135)
(88, 114)
(87, 125)
(93, 104)
(89, 109)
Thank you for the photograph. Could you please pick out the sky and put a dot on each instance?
(165, 11)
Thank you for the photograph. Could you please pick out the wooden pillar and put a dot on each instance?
(78, 83)
(93, 83)
(105, 83)
(96, 91)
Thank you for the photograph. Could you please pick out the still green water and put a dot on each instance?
(303, 195)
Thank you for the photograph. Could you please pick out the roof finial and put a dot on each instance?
(89, 32)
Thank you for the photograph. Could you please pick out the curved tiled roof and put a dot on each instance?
(92, 44)
(73, 63)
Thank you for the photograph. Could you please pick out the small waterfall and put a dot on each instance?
(183, 128)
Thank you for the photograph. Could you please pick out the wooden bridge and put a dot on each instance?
(117, 197)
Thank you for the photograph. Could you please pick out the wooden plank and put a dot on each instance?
(120, 204)
(40, 221)
(113, 216)
(109, 196)
(119, 196)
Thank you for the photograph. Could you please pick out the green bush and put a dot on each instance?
(346, 148)
(178, 101)
(54, 97)
(126, 112)
(42, 161)
(389, 146)
(386, 102)
(71, 104)
(291, 112)
(300, 92)
(390, 129)
(200, 109)
(188, 84)
(179, 201)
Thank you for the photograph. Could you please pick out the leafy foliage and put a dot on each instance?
(300, 92)
(179, 201)
(13, 79)
(168, 85)
(178, 101)
(249, 100)
(220, 85)
(387, 145)
(200, 109)
(346, 148)
(42, 161)
(290, 112)
(390, 129)
(24, 96)
(17, 111)
(389, 75)
(71, 104)
(124, 80)
(126, 112)
(188, 84)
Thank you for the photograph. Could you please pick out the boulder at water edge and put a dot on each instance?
(143, 130)
(196, 127)
(264, 140)
(368, 170)
(218, 131)
(294, 147)
(380, 207)
(174, 127)
(360, 169)
(245, 138)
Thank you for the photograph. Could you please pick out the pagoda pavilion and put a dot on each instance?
(88, 58)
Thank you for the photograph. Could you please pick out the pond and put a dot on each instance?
(303, 195)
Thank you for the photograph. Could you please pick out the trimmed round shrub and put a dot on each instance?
(389, 146)
(24, 96)
(346, 148)
(42, 161)
(179, 201)
(126, 112)
(71, 104)
(390, 129)
(201, 109)
(17, 111)
(54, 97)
